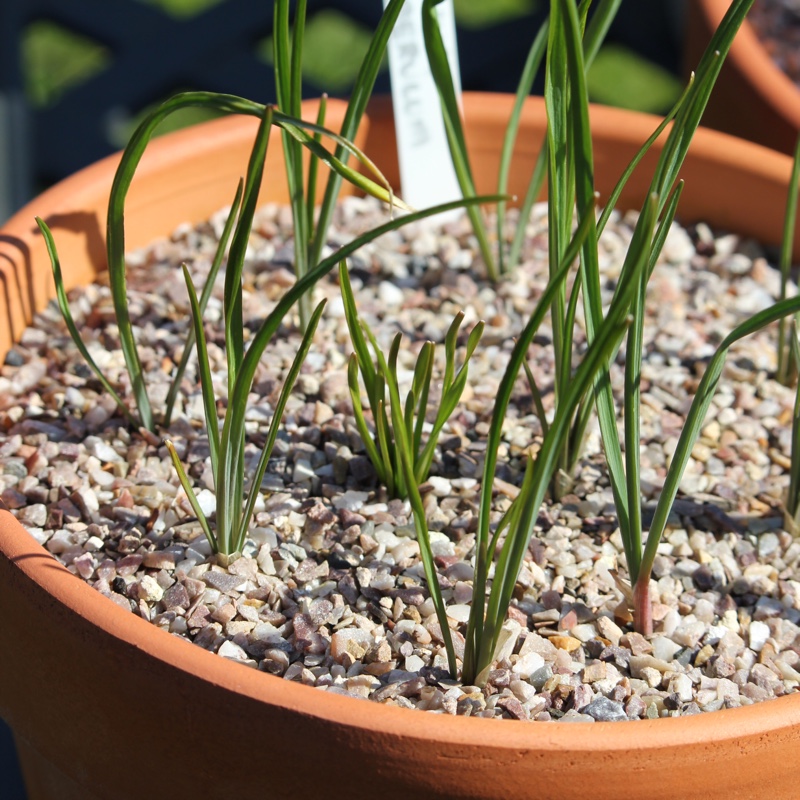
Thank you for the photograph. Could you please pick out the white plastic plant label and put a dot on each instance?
(427, 176)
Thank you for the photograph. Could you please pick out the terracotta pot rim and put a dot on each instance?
(751, 59)
(164, 149)
(40, 567)
(20, 548)
(632, 127)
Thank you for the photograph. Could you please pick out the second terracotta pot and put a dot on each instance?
(753, 97)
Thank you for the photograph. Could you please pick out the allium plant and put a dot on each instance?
(499, 259)
(789, 347)
(571, 194)
(235, 502)
(382, 446)
(301, 143)
(556, 165)
(297, 129)
(786, 364)
(288, 37)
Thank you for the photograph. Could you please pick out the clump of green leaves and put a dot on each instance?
(295, 128)
(310, 236)
(571, 195)
(300, 139)
(785, 363)
(501, 260)
(789, 347)
(380, 377)
(227, 447)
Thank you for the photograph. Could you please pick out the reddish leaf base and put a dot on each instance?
(642, 607)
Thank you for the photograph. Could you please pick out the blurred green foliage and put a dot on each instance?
(333, 50)
(56, 59)
(481, 14)
(620, 77)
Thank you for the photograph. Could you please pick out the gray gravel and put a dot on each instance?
(329, 590)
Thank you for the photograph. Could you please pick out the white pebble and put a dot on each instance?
(229, 649)
(414, 663)
(689, 632)
(681, 684)
(208, 501)
(460, 613)
(389, 294)
(351, 500)
(150, 590)
(303, 471)
(528, 664)
(665, 648)
(104, 452)
(758, 635)
(441, 486)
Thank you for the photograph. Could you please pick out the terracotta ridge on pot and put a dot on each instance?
(112, 706)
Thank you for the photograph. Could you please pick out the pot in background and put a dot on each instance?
(753, 97)
(105, 705)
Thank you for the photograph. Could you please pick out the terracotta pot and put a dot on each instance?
(753, 97)
(105, 705)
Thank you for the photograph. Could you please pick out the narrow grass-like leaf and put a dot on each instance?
(440, 69)
(516, 543)
(611, 203)
(512, 553)
(450, 342)
(637, 263)
(406, 468)
(667, 218)
(378, 188)
(356, 106)
(357, 338)
(205, 295)
(423, 372)
(695, 419)
(598, 28)
(691, 110)
(313, 164)
(537, 398)
(529, 71)
(531, 195)
(632, 402)
(227, 104)
(664, 194)
(288, 63)
(277, 416)
(293, 101)
(452, 389)
(793, 493)
(361, 422)
(232, 300)
(386, 448)
(511, 518)
(230, 478)
(282, 53)
(204, 371)
(785, 336)
(502, 400)
(191, 496)
(72, 328)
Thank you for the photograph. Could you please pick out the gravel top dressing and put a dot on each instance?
(329, 590)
